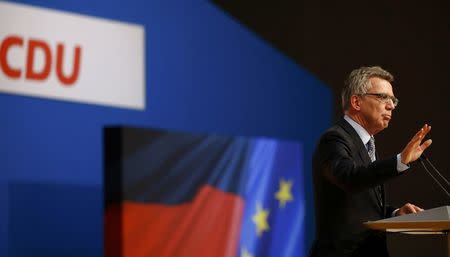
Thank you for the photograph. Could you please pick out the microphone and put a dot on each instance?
(424, 157)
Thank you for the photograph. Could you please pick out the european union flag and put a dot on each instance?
(273, 216)
(180, 194)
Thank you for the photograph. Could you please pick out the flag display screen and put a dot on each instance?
(182, 194)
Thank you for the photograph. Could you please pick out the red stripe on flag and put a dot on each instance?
(207, 226)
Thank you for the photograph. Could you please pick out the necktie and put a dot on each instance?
(371, 148)
(371, 152)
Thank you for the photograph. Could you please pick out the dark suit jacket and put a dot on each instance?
(345, 183)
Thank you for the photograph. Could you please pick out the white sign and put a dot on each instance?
(59, 55)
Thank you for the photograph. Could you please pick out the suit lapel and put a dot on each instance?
(356, 140)
(362, 151)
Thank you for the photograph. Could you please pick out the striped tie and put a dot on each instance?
(371, 148)
(371, 152)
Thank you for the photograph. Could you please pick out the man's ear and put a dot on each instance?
(355, 102)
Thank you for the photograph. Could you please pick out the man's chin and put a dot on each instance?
(381, 127)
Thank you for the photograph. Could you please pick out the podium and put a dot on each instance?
(432, 221)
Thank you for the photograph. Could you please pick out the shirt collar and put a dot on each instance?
(362, 133)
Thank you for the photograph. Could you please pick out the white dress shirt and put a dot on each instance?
(365, 137)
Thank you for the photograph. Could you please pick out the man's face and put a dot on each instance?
(377, 113)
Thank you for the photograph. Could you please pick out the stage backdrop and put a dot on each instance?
(202, 72)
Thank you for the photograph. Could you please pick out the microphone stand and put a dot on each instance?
(424, 157)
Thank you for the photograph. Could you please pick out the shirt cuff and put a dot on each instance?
(393, 213)
(400, 166)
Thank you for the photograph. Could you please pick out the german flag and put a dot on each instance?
(177, 194)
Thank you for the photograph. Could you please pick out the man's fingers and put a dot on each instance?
(414, 148)
(409, 208)
(421, 134)
(426, 130)
(418, 209)
(418, 136)
(426, 144)
(412, 209)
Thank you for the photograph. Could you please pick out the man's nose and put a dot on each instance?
(390, 105)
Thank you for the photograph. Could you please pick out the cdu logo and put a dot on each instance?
(34, 60)
(71, 57)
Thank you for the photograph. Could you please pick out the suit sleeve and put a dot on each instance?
(338, 159)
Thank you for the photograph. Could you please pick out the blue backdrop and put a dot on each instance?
(204, 73)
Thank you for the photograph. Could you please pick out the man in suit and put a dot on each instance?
(348, 178)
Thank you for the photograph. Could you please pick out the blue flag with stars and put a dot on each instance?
(273, 218)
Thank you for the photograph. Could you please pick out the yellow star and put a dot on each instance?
(260, 219)
(284, 193)
(245, 253)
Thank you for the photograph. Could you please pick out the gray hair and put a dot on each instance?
(358, 82)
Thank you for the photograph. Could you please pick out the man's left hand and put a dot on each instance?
(408, 209)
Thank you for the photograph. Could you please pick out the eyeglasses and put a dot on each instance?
(385, 98)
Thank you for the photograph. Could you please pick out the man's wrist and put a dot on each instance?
(402, 159)
(401, 166)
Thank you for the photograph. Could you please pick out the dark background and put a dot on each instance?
(412, 41)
